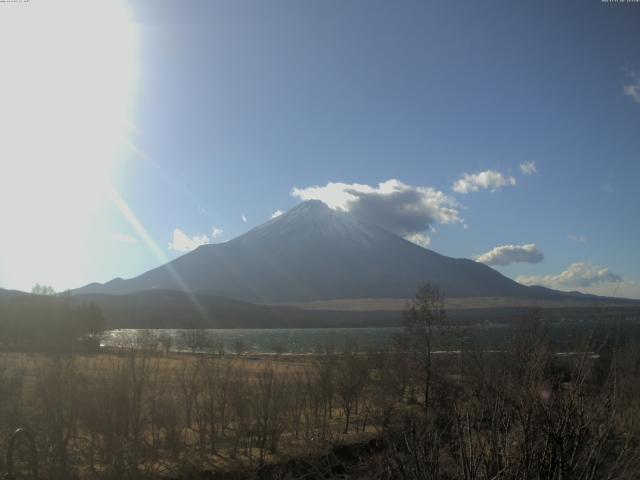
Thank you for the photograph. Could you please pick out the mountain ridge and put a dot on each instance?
(313, 253)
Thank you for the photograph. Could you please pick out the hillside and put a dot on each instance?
(174, 309)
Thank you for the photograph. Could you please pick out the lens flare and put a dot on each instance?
(69, 72)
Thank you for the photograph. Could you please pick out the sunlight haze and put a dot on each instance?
(69, 76)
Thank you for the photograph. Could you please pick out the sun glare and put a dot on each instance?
(68, 74)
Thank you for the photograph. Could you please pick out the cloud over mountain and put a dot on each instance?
(507, 254)
(419, 239)
(181, 242)
(487, 180)
(577, 275)
(395, 206)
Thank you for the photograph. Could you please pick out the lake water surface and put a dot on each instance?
(314, 340)
(292, 340)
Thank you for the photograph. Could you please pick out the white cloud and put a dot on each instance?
(577, 238)
(243, 217)
(528, 168)
(487, 180)
(216, 232)
(123, 237)
(336, 195)
(277, 213)
(181, 242)
(632, 90)
(399, 208)
(577, 275)
(508, 254)
(419, 239)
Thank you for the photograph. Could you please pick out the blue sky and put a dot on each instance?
(235, 104)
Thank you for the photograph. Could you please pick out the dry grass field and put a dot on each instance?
(118, 414)
(521, 412)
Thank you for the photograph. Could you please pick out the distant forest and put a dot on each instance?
(48, 320)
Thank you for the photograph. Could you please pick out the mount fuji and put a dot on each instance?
(314, 253)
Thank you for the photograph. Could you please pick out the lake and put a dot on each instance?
(294, 340)
(564, 335)
(289, 340)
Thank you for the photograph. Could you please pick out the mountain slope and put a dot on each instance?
(174, 309)
(315, 253)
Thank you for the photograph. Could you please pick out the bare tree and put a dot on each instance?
(42, 290)
(239, 346)
(352, 377)
(196, 340)
(147, 340)
(166, 341)
(278, 348)
(420, 320)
